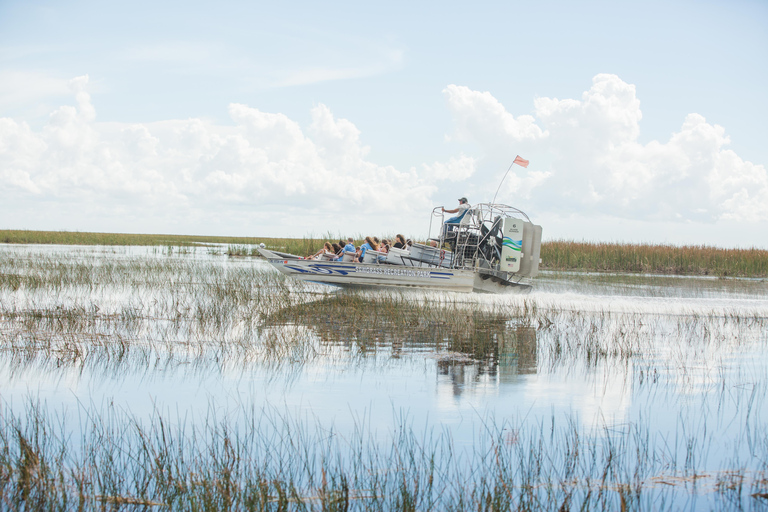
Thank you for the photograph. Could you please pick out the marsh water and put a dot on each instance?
(675, 367)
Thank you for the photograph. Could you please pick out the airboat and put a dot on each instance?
(494, 249)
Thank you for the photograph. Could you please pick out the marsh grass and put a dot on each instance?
(298, 246)
(132, 315)
(264, 460)
(200, 318)
(152, 303)
(179, 244)
(11, 236)
(654, 259)
(556, 254)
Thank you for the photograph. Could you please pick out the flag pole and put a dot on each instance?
(502, 181)
(522, 162)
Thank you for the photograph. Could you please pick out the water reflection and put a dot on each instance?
(469, 346)
(513, 354)
(517, 355)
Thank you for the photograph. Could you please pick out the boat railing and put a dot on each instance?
(476, 241)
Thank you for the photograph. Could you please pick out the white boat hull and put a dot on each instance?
(377, 275)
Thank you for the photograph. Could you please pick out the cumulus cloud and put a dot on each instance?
(594, 163)
(480, 116)
(262, 162)
(19, 87)
(455, 169)
(263, 172)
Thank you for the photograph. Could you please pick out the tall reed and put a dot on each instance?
(659, 259)
(555, 255)
(264, 460)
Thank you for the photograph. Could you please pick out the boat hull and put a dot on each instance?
(378, 275)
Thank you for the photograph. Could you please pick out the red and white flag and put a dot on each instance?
(521, 161)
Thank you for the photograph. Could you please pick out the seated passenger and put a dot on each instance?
(327, 249)
(337, 249)
(384, 247)
(369, 244)
(349, 249)
(399, 242)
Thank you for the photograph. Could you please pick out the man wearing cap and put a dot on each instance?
(454, 221)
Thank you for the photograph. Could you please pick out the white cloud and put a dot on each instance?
(596, 166)
(455, 169)
(263, 162)
(265, 173)
(480, 116)
(19, 87)
(522, 186)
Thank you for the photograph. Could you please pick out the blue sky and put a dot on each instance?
(643, 121)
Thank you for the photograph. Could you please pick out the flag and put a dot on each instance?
(520, 161)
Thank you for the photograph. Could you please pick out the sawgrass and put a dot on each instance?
(264, 460)
(128, 315)
(655, 259)
(12, 236)
(238, 246)
(563, 255)
(115, 314)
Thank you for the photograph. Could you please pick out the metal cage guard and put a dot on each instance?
(475, 241)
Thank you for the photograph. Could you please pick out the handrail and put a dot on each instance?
(480, 214)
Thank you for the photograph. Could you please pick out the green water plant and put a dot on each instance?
(264, 459)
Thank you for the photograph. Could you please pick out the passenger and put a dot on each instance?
(451, 223)
(350, 248)
(368, 245)
(399, 242)
(313, 256)
(384, 247)
(336, 251)
(327, 249)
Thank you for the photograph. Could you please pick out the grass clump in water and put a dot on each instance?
(265, 460)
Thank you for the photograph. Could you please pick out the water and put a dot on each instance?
(677, 358)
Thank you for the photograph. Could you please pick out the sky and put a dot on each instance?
(643, 121)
